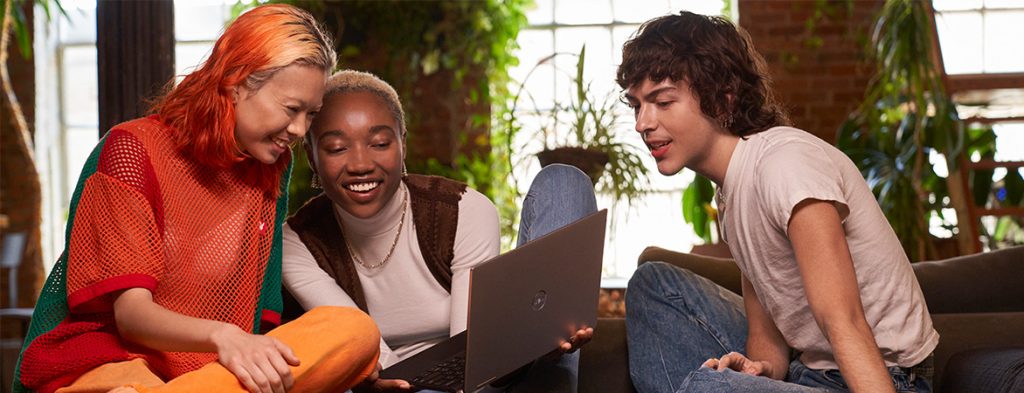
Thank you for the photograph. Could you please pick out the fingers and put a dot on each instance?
(391, 384)
(286, 352)
(267, 377)
(577, 340)
(734, 361)
(711, 363)
(245, 378)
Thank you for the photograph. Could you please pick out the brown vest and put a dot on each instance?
(435, 212)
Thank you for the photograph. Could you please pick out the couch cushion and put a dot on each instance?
(993, 370)
(604, 361)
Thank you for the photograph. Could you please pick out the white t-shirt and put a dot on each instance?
(769, 173)
(412, 311)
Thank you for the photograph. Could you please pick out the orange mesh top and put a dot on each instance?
(198, 238)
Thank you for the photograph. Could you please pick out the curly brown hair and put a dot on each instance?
(716, 58)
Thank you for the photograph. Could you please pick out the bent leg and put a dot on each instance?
(558, 196)
(337, 348)
(113, 376)
(706, 380)
(676, 320)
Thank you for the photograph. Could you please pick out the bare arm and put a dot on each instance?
(764, 341)
(260, 362)
(826, 267)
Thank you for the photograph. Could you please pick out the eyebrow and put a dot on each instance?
(649, 96)
(377, 129)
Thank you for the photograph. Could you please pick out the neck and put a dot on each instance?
(716, 162)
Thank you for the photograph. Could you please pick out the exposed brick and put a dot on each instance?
(824, 84)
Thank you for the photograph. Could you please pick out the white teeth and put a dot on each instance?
(363, 187)
(658, 145)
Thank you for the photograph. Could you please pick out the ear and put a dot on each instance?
(234, 94)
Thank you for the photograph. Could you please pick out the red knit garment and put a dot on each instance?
(198, 238)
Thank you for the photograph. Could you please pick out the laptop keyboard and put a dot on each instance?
(447, 375)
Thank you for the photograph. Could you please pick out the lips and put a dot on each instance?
(363, 187)
(658, 148)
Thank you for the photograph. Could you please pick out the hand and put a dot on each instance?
(737, 362)
(260, 363)
(574, 343)
(373, 383)
(581, 338)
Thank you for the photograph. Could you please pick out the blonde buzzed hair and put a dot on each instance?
(346, 81)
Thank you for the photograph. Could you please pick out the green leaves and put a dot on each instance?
(905, 116)
(697, 208)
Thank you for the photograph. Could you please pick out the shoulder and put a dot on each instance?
(313, 210)
(787, 151)
(475, 205)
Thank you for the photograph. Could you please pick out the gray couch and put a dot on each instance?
(976, 302)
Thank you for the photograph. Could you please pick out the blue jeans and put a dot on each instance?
(558, 196)
(676, 320)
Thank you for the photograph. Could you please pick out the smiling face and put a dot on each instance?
(357, 150)
(270, 118)
(676, 132)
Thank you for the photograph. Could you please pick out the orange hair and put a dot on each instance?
(258, 44)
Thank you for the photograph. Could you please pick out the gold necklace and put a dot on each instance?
(352, 251)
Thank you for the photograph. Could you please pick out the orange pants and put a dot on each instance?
(337, 348)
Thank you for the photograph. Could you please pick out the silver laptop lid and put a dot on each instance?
(523, 302)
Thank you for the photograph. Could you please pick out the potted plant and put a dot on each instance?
(583, 132)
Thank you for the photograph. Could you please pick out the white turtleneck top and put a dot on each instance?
(412, 311)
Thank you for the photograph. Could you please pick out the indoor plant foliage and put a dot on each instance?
(583, 132)
(906, 114)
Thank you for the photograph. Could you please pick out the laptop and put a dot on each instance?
(522, 304)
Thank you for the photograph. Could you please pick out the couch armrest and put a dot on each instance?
(986, 282)
(721, 271)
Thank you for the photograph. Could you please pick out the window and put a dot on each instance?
(67, 81)
(564, 26)
(975, 35)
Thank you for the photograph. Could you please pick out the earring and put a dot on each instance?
(726, 121)
(404, 172)
(315, 182)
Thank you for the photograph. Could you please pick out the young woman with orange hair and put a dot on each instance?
(173, 259)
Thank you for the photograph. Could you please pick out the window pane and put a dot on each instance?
(950, 5)
(959, 37)
(78, 142)
(1003, 30)
(199, 19)
(188, 57)
(703, 7)
(542, 12)
(80, 25)
(637, 11)
(1009, 141)
(598, 67)
(657, 220)
(80, 93)
(535, 46)
(583, 11)
(1003, 4)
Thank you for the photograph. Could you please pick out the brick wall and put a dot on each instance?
(820, 75)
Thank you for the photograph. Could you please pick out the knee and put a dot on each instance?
(359, 326)
(564, 186)
(660, 279)
(561, 175)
